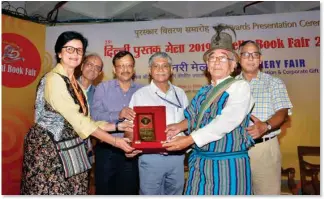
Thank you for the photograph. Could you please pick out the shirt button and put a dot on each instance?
(125, 95)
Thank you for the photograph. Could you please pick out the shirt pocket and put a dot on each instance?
(263, 104)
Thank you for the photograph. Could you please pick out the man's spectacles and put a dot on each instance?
(92, 66)
(126, 66)
(246, 55)
(71, 50)
(221, 59)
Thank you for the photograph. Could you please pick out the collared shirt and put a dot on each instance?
(148, 96)
(270, 95)
(89, 95)
(89, 92)
(109, 99)
(57, 95)
(238, 106)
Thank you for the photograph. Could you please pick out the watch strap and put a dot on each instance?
(118, 121)
(269, 127)
(116, 124)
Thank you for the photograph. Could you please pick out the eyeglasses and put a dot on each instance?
(162, 66)
(221, 59)
(126, 66)
(246, 55)
(71, 49)
(92, 66)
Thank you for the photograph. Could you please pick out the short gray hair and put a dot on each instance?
(249, 42)
(160, 55)
(92, 55)
(86, 58)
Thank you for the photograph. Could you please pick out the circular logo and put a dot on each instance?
(145, 120)
(20, 61)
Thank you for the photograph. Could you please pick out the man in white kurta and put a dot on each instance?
(161, 174)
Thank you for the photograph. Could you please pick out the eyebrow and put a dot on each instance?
(224, 53)
(87, 61)
(161, 64)
(74, 47)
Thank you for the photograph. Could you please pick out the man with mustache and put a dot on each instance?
(114, 173)
(161, 174)
(271, 110)
(91, 68)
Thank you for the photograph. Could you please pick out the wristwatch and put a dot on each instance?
(116, 124)
(269, 127)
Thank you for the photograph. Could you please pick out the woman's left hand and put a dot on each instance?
(133, 153)
(178, 143)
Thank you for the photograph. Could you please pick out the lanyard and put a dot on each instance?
(168, 101)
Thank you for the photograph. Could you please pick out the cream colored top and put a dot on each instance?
(57, 95)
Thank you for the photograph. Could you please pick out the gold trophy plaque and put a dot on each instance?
(146, 127)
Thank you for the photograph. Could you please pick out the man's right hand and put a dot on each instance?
(126, 126)
(172, 130)
(127, 113)
(257, 130)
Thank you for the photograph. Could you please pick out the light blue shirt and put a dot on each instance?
(109, 99)
(270, 95)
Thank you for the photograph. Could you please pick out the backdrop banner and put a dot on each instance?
(23, 46)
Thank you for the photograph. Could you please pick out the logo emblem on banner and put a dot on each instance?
(20, 61)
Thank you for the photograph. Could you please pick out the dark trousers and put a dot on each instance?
(115, 174)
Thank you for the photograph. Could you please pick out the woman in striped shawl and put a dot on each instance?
(216, 120)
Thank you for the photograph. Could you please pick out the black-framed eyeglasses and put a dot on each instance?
(179, 105)
(246, 55)
(222, 59)
(71, 49)
(93, 66)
